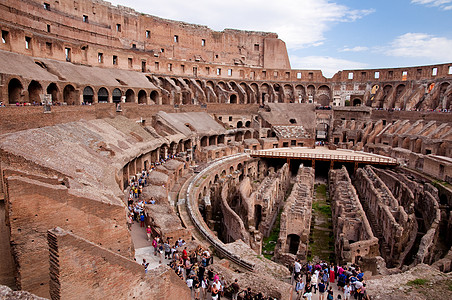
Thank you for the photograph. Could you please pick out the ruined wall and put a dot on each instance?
(232, 223)
(421, 199)
(36, 205)
(353, 234)
(397, 229)
(81, 269)
(295, 221)
(269, 196)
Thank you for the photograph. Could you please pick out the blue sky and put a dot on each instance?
(329, 35)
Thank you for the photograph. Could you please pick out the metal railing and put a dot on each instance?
(348, 158)
(196, 217)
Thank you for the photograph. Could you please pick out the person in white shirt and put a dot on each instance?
(347, 291)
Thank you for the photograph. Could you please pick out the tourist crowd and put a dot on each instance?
(320, 277)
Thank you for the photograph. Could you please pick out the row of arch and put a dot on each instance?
(176, 91)
(71, 96)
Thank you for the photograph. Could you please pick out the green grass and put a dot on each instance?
(322, 208)
(269, 243)
(418, 281)
(320, 240)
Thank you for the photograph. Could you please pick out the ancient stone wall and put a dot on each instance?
(353, 234)
(82, 269)
(268, 198)
(295, 221)
(397, 229)
(423, 201)
(34, 206)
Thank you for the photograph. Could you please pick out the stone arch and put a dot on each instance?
(418, 146)
(248, 134)
(210, 84)
(239, 136)
(102, 95)
(15, 89)
(310, 93)
(130, 96)
(246, 89)
(222, 85)
(52, 89)
(155, 97)
(239, 124)
(88, 94)
(233, 99)
(289, 93)
(204, 141)
(117, 94)
(395, 142)
(34, 91)
(300, 94)
(231, 170)
(248, 124)
(324, 95)
(406, 143)
(279, 93)
(69, 95)
(356, 102)
(221, 139)
(255, 89)
(265, 93)
(293, 242)
(142, 97)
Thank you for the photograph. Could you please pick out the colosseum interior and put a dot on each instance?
(95, 94)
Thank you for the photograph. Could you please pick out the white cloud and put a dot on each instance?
(355, 49)
(328, 65)
(300, 23)
(421, 45)
(434, 3)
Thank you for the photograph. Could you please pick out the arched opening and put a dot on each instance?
(418, 146)
(233, 99)
(88, 95)
(34, 92)
(239, 124)
(130, 96)
(248, 135)
(212, 140)
(406, 144)
(102, 95)
(117, 94)
(52, 90)
(311, 93)
(142, 97)
(155, 97)
(204, 140)
(239, 137)
(300, 94)
(221, 139)
(247, 124)
(257, 215)
(69, 95)
(293, 241)
(14, 91)
(357, 102)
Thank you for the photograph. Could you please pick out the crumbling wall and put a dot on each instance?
(35, 206)
(232, 223)
(353, 234)
(80, 269)
(398, 229)
(270, 196)
(296, 218)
